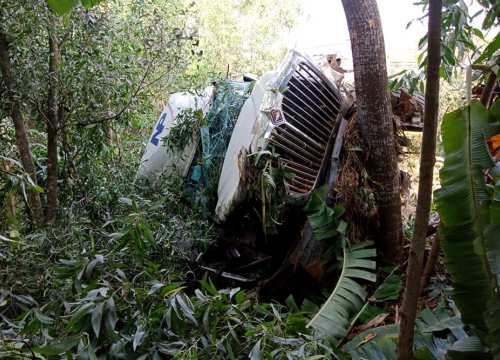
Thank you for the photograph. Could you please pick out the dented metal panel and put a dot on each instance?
(231, 190)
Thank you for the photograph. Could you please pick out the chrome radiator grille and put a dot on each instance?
(303, 126)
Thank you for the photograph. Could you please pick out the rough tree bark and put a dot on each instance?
(52, 127)
(11, 201)
(430, 264)
(34, 202)
(488, 90)
(375, 119)
(427, 160)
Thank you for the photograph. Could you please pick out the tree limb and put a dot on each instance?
(52, 123)
(139, 88)
(23, 146)
(424, 200)
(488, 90)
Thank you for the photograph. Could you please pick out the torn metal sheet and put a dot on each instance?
(215, 134)
(231, 187)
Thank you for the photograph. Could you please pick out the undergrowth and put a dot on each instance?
(128, 295)
(115, 280)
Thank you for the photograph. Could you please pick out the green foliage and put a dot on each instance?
(489, 51)
(389, 289)
(462, 43)
(247, 36)
(439, 334)
(113, 305)
(492, 13)
(407, 79)
(214, 133)
(269, 188)
(119, 60)
(469, 232)
(62, 7)
(347, 299)
(325, 220)
(187, 126)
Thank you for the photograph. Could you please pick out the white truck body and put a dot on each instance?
(158, 159)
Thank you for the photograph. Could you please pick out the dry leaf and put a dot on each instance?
(376, 321)
(366, 339)
(494, 143)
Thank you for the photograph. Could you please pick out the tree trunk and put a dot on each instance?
(52, 127)
(430, 264)
(488, 90)
(375, 119)
(34, 202)
(427, 160)
(11, 201)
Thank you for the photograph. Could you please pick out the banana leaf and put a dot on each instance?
(470, 237)
(380, 343)
(335, 316)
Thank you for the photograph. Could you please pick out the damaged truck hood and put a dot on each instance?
(293, 110)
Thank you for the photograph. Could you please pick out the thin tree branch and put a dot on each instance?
(52, 124)
(427, 161)
(139, 88)
(430, 264)
(483, 68)
(488, 90)
(22, 140)
(8, 172)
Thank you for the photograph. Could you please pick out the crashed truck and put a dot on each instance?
(296, 111)
(295, 118)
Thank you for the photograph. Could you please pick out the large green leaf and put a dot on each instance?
(335, 316)
(490, 50)
(470, 240)
(61, 7)
(380, 342)
(461, 204)
(87, 4)
(389, 289)
(58, 347)
(324, 220)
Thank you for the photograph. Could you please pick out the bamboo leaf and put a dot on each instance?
(255, 352)
(57, 348)
(489, 50)
(96, 318)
